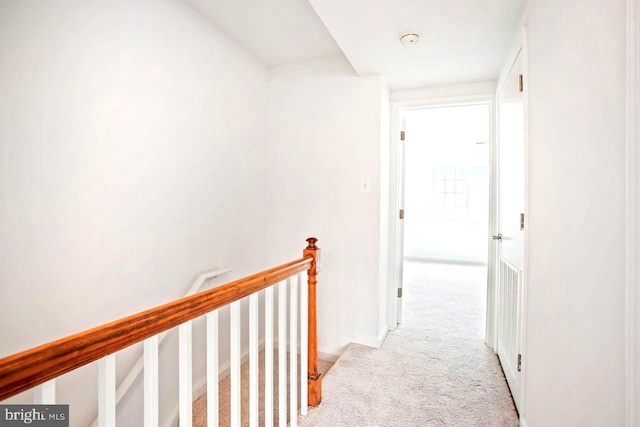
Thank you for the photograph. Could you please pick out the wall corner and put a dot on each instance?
(632, 297)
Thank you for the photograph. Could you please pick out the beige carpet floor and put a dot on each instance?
(434, 370)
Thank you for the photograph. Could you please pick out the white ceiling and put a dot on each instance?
(278, 32)
(461, 41)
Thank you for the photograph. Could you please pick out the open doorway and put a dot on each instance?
(447, 184)
(443, 191)
(446, 224)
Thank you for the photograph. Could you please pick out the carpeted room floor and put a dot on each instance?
(434, 370)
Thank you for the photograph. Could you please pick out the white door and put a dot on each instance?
(510, 241)
(400, 216)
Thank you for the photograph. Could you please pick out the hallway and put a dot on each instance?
(443, 309)
(444, 320)
(434, 370)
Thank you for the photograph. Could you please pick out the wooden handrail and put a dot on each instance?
(27, 369)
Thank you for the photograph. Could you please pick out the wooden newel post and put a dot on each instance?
(314, 378)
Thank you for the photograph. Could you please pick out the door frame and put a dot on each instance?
(448, 97)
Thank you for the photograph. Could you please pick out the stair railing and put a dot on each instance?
(136, 369)
(39, 366)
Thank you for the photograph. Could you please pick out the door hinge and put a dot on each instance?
(519, 362)
(520, 83)
(521, 221)
(402, 135)
(399, 292)
(401, 213)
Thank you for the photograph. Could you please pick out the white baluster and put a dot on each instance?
(45, 394)
(282, 353)
(268, 357)
(151, 381)
(107, 391)
(253, 360)
(185, 377)
(212, 369)
(235, 364)
(304, 344)
(293, 352)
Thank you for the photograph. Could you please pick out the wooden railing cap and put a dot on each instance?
(312, 243)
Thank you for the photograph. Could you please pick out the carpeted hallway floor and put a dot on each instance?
(434, 370)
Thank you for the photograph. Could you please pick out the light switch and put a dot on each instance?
(365, 184)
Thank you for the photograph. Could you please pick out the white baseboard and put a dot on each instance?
(523, 423)
(330, 356)
(371, 340)
(382, 335)
(428, 260)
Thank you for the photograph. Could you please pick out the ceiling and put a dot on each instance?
(278, 32)
(461, 41)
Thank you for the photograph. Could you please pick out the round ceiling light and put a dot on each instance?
(409, 39)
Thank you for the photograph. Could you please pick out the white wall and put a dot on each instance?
(575, 325)
(385, 293)
(324, 136)
(131, 160)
